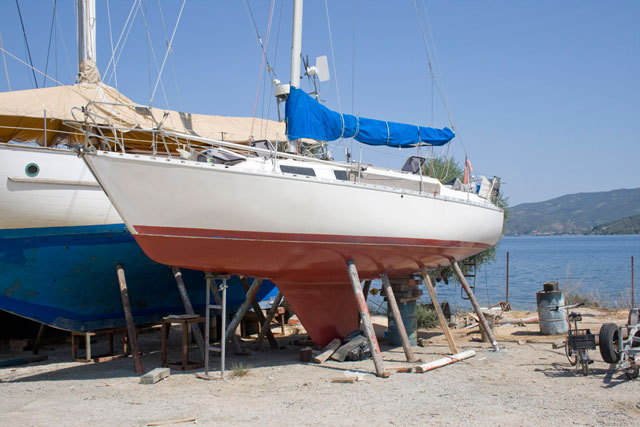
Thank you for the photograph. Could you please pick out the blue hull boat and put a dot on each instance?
(65, 277)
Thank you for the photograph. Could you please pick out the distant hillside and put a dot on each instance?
(627, 225)
(573, 213)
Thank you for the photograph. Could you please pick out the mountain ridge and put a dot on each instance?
(577, 213)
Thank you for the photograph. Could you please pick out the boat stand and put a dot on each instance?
(443, 322)
(393, 304)
(222, 307)
(474, 302)
(366, 319)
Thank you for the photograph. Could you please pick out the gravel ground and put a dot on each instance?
(526, 383)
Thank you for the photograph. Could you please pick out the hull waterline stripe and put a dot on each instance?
(261, 236)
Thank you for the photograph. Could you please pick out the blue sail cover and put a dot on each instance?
(306, 118)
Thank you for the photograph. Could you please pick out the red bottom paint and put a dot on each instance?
(310, 270)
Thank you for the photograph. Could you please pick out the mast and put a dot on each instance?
(87, 67)
(296, 43)
(296, 52)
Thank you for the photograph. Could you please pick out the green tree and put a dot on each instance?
(446, 170)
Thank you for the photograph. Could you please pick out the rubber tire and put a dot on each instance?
(609, 343)
(571, 355)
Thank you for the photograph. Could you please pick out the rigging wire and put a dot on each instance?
(4, 60)
(35, 70)
(173, 71)
(159, 79)
(262, 63)
(126, 27)
(24, 33)
(115, 75)
(46, 66)
(333, 58)
(155, 60)
(64, 45)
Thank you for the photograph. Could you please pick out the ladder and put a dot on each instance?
(221, 306)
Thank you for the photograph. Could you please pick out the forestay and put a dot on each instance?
(306, 118)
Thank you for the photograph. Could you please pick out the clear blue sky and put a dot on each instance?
(544, 94)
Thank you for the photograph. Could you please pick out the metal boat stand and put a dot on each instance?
(474, 302)
(222, 307)
(366, 319)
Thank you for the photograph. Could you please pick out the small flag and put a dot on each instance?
(468, 167)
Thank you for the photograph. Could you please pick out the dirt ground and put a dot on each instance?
(526, 383)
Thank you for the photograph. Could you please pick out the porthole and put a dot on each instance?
(32, 169)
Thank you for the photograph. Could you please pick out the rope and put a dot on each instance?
(24, 33)
(164, 61)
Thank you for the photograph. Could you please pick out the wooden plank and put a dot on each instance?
(444, 361)
(155, 375)
(251, 295)
(344, 380)
(131, 329)
(327, 351)
(366, 319)
(266, 324)
(395, 311)
(341, 353)
(474, 303)
(188, 308)
(258, 310)
(443, 322)
(164, 423)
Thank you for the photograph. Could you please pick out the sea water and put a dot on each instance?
(598, 265)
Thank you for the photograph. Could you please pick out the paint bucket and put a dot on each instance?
(409, 316)
(552, 320)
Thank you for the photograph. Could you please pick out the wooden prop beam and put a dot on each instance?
(402, 331)
(366, 319)
(131, 329)
(251, 295)
(266, 324)
(444, 361)
(476, 306)
(259, 315)
(188, 308)
(436, 306)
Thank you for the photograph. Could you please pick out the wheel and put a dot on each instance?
(584, 361)
(571, 355)
(609, 343)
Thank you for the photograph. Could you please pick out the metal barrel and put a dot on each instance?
(409, 315)
(552, 321)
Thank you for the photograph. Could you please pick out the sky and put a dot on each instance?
(544, 94)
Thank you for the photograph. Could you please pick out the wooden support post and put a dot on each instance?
(266, 324)
(188, 308)
(251, 294)
(327, 351)
(436, 305)
(218, 299)
(365, 289)
(476, 306)
(366, 319)
(131, 328)
(258, 310)
(402, 331)
(444, 361)
(38, 341)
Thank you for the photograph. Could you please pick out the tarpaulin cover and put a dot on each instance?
(306, 118)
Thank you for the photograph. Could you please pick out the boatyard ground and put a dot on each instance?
(527, 383)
